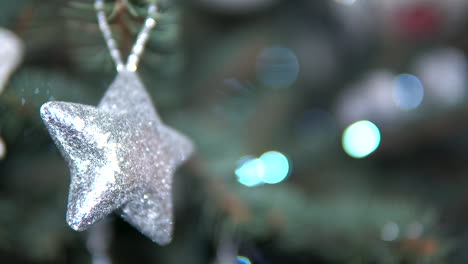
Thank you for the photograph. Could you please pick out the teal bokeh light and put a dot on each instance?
(276, 167)
(250, 171)
(272, 167)
(361, 139)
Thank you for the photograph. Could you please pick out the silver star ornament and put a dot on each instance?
(121, 157)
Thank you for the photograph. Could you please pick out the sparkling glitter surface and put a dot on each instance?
(121, 156)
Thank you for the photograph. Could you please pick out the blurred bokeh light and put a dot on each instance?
(243, 260)
(361, 139)
(250, 171)
(443, 73)
(368, 98)
(390, 231)
(276, 167)
(272, 167)
(277, 67)
(408, 91)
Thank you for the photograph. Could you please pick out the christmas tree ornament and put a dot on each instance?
(443, 73)
(121, 156)
(2, 149)
(11, 53)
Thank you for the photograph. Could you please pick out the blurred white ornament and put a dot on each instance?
(443, 73)
(378, 85)
(370, 98)
(2, 149)
(11, 52)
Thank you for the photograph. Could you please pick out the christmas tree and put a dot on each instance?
(324, 131)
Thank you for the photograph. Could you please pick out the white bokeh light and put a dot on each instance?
(276, 167)
(361, 139)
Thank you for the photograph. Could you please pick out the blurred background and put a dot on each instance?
(327, 131)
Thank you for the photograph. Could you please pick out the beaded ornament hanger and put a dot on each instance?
(138, 47)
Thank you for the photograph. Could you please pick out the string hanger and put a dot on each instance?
(140, 42)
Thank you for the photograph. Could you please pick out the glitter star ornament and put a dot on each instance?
(121, 157)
